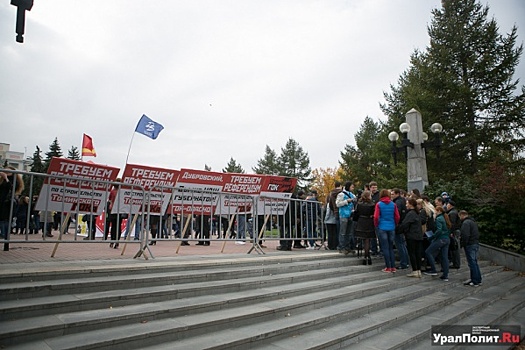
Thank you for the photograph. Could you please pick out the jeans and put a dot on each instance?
(402, 250)
(4, 229)
(346, 234)
(386, 240)
(138, 225)
(241, 227)
(311, 231)
(436, 246)
(471, 252)
(36, 224)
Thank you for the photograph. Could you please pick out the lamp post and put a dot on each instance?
(22, 7)
(413, 144)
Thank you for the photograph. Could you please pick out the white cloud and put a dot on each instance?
(225, 78)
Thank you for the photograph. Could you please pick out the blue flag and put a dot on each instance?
(148, 127)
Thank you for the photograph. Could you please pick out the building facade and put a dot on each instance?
(13, 158)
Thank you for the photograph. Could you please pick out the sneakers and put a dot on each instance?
(310, 248)
(240, 242)
(472, 284)
(393, 270)
(413, 274)
(430, 273)
(387, 269)
(469, 283)
(444, 279)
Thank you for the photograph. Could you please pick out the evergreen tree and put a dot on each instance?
(54, 151)
(368, 160)
(37, 166)
(233, 167)
(465, 81)
(73, 153)
(268, 164)
(294, 162)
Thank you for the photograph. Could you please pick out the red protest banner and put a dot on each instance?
(139, 180)
(83, 190)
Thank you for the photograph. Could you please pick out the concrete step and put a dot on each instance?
(117, 293)
(277, 304)
(109, 280)
(351, 287)
(270, 320)
(497, 301)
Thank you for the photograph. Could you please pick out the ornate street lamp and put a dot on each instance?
(436, 128)
(394, 136)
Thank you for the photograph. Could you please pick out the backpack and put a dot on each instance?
(431, 223)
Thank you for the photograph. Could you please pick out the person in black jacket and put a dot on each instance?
(9, 183)
(365, 229)
(453, 253)
(287, 224)
(470, 242)
(411, 228)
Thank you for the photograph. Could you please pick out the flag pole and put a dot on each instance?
(81, 148)
(129, 149)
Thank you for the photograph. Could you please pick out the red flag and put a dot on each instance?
(87, 147)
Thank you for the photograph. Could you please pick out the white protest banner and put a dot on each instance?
(240, 191)
(156, 183)
(197, 192)
(78, 194)
(275, 194)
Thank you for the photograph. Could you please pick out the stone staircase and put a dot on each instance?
(306, 300)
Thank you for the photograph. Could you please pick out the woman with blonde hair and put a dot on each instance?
(427, 213)
(11, 186)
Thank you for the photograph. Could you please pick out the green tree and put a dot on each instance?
(464, 80)
(37, 166)
(295, 162)
(268, 164)
(54, 151)
(233, 167)
(73, 153)
(369, 159)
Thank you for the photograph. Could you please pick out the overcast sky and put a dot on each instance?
(225, 78)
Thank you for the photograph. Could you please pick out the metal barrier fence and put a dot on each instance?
(174, 215)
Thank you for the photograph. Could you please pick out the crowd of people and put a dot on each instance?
(383, 222)
(423, 232)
